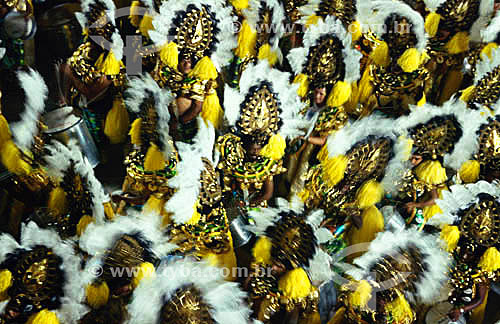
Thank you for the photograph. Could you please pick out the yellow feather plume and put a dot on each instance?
(154, 205)
(295, 284)
(469, 171)
(266, 53)
(339, 95)
(334, 169)
(409, 61)
(154, 160)
(262, 250)
(246, 41)
(362, 295)
(43, 317)
(422, 101)
(380, 54)
(450, 235)
(169, 55)
(97, 295)
(146, 270)
(370, 193)
(135, 132)
(135, 17)
(5, 283)
(303, 82)
(304, 195)
(239, 4)
(12, 159)
(146, 25)
(205, 69)
(373, 223)
(486, 51)
(365, 88)
(431, 211)
(467, 93)
(355, 30)
(431, 172)
(312, 20)
(212, 111)
(431, 23)
(117, 122)
(83, 223)
(459, 43)
(57, 203)
(323, 153)
(400, 309)
(275, 148)
(5, 134)
(490, 260)
(110, 65)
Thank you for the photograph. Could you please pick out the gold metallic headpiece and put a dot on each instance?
(325, 62)
(489, 145)
(345, 10)
(480, 222)
(437, 137)
(186, 307)
(458, 15)
(487, 91)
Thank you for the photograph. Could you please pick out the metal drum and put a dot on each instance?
(439, 315)
(64, 125)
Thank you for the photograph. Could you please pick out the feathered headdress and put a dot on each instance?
(464, 19)
(97, 20)
(202, 29)
(409, 261)
(186, 291)
(261, 31)
(78, 193)
(286, 235)
(345, 11)
(326, 59)
(482, 93)
(19, 139)
(466, 210)
(190, 180)
(400, 43)
(151, 130)
(133, 241)
(435, 130)
(56, 295)
(265, 104)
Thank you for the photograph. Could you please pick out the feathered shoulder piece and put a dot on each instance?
(261, 31)
(150, 131)
(133, 243)
(196, 182)
(398, 33)
(409, 261)
(471, 222)
(265, 106)
(199, 29)
(186, 291)
(327, 59)
(346, 11)
(78, 192)
(435, 130)
(98, 22)
(286, 235)
(22, 136)
(491, 32)
(481, 93)
(41, 278)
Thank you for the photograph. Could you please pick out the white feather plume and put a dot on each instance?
(490, 33)
(487, 65)
(189, 169)
(36, 91)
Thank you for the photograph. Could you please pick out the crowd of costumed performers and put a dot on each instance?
(253, 162)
